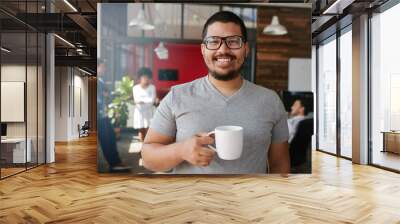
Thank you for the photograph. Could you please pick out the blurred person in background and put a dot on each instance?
(106, 135)
(145, 97)
(298, 113)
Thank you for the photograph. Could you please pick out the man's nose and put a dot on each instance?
(224, 47)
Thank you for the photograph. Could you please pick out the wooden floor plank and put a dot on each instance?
(71, 191)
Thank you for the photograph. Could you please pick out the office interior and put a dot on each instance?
(49, 52)
(173, 54)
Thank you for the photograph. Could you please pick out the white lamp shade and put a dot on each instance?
(147, 27)
(141, 22)
(275, 28)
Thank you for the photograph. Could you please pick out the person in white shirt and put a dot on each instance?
(144, 96)
(297, 114)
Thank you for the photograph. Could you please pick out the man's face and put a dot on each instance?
(297, 109)
(224, 63)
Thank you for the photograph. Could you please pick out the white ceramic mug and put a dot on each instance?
(228, 142)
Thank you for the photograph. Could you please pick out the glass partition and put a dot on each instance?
(327, 96)
(346, 93)
(13, 108)
(385, 89)
(22, 91)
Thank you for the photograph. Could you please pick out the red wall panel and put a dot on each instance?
(185, 58)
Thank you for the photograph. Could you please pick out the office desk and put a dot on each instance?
(391, 141)
(16, 147)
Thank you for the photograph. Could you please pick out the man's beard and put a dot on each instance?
(225, 77)
(230, 75)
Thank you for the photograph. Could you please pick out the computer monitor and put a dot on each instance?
(168, 75)
(3, 129)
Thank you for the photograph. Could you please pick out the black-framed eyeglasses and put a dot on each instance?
(215, 42)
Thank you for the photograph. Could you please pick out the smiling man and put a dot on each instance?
(177, 136)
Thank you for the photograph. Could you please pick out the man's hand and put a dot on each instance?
(161, 152)
(195, 151)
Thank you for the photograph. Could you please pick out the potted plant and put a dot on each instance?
(118, 109)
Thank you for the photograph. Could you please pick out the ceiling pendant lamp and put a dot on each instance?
(141, 21)
(275, 28)
(5, 49)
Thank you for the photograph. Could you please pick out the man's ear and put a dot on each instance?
(247, 48)
(202, 49)
(303, 110)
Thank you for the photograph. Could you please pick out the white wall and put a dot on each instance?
(300, 74)
(71, 87)
(13, 73)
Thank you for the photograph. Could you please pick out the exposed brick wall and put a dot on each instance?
(273, 52)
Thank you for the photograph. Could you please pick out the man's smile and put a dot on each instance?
(224, 61)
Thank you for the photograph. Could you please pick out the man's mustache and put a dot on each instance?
(224, 55)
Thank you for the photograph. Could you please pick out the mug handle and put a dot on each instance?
(210, 146)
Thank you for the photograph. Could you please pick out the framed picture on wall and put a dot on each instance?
(12, 101)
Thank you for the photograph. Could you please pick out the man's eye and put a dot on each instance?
(213, 42)
(233, 41)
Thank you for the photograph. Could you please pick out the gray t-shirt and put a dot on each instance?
(198, 106)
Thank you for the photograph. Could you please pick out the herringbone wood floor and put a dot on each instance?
(71, 191)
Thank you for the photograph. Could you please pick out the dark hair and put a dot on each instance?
(304, 104)
(225, 17)
(144, 71)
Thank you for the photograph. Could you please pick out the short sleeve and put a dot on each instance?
(164, 119)
(280, 132)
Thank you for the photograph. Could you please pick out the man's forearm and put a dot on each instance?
(159, 157)
(279, 158)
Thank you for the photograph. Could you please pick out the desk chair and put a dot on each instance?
(300, 147)
(84, 130)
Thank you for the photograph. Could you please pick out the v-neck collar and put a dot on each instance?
(217, 92)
